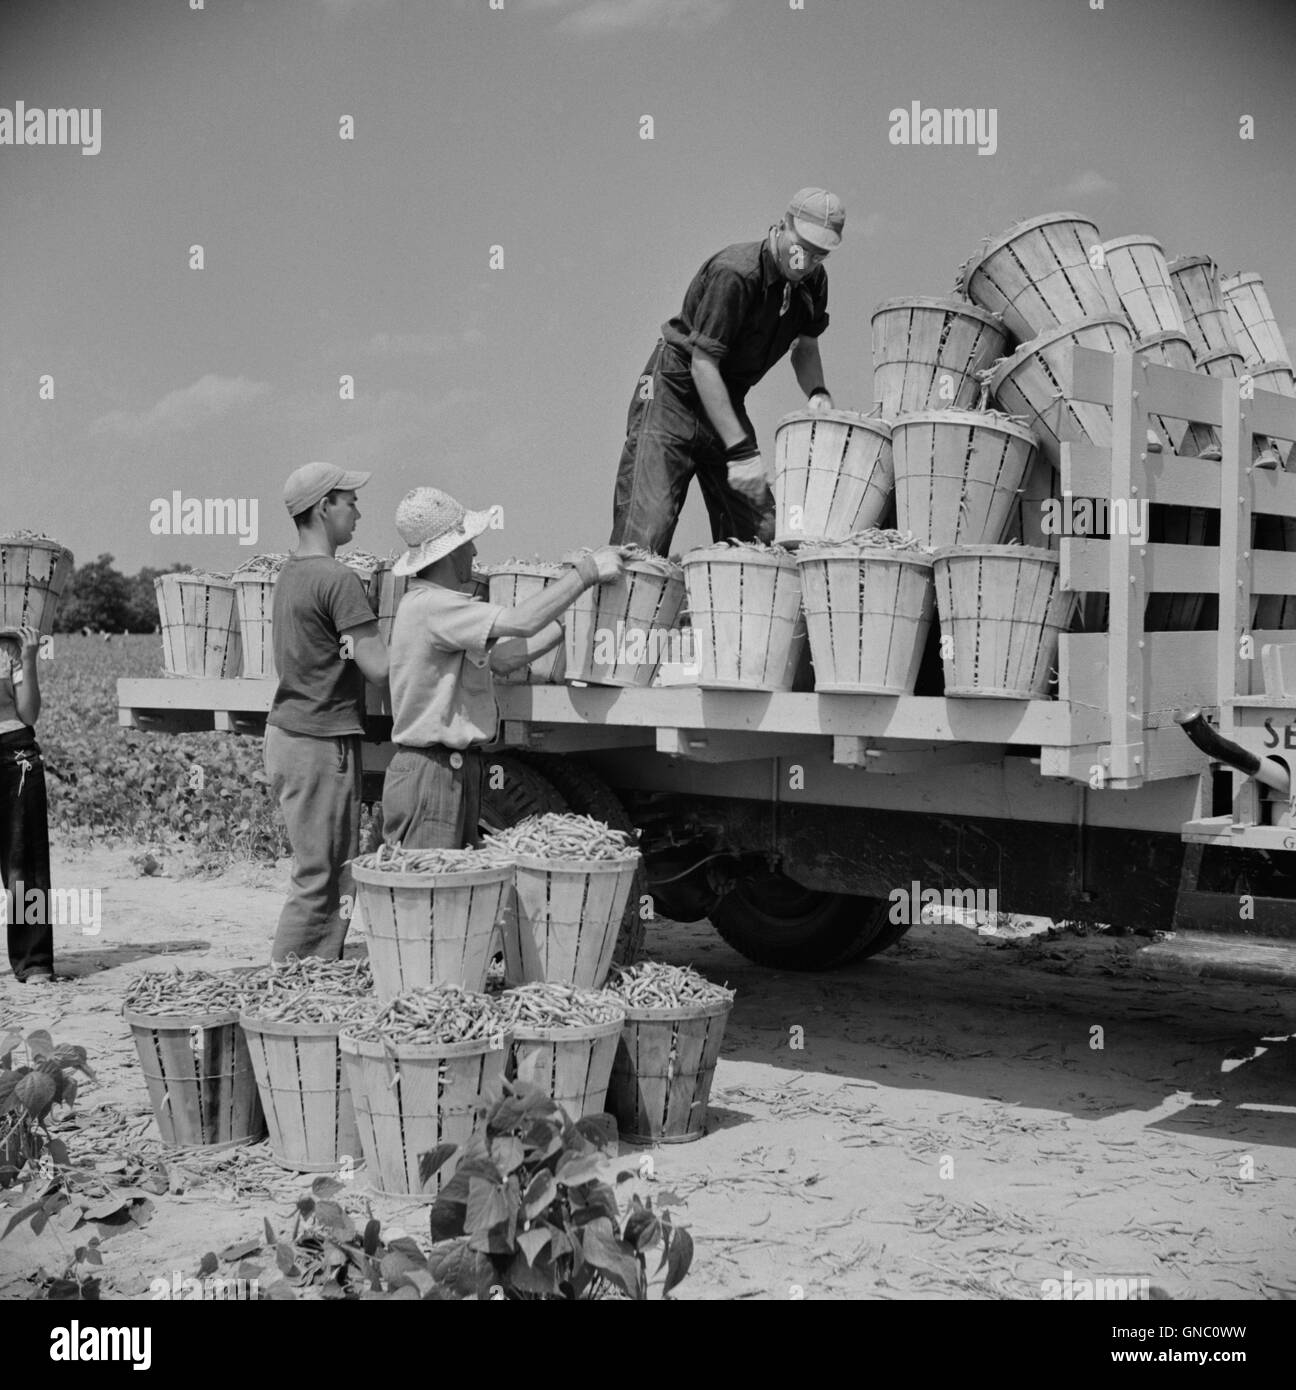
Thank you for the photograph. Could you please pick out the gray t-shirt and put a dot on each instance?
(317, 600)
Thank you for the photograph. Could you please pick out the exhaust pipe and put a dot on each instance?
(1269, 772)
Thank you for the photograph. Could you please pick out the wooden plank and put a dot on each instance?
(1234, 549)
(1273, 414)
(571, 738)
(1126, 578)
(1164, 390)
(1177, 670)
(724, 746)
(197, 692)
(1168, 479)
(1168, 569)
(919, 718)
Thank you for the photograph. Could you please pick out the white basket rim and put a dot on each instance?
(736, 554)
(1137, 239)
(978, 419)
(1027, 552)
(845, 417)
(1021, 229)
(952, 302)
(1006, 366)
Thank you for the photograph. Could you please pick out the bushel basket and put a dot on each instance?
(433, 929)
(33, 574)
(928, 353)
(409, 1098)
(200, 1078)
(619, 633)
(199, 626)
(573, 1065)
(308, 1110)
(662, 1074)
(832, 475)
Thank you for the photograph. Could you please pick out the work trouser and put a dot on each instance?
(668, 439)
(317, 782)
(432, 798)
(24, 852)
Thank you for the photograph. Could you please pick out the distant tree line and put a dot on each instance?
(98, 596)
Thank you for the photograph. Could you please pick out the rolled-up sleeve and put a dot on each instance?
(718, 314)
(461, 623)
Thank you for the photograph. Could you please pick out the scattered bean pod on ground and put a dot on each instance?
(436, 1014)
(543, 1005)
(562, 835)
(654, 985)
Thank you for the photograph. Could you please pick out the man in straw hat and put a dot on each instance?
(748, 305)
(445, 644)
(326, 645)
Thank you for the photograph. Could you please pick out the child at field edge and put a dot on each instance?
(24, 815)
(326, 645)
(445, 645)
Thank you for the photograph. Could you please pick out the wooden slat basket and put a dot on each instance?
(573, 1065)
(832, 475)
(254, 602)
(620, 632)
(1002, 608)
(308, 1109)
(1206, 318)
(34, 572)
(1141, 276)
(868, 611)
(1251, 316)
(1035, 385)
(409, 1098)
(746, 611)
(957, 474)
(1039, 275)
(200, 1079)
(199, 626)
(433, 929)
(385, 593)
(512, 584)
(927, 353)
(568, 915)
(662, 1074)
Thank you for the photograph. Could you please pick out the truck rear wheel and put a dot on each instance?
(777, 923)
(521, 791)
(587, 794)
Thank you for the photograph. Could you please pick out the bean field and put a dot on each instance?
(204, 795)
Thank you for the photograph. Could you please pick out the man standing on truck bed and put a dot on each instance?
(326, 645)
(748, 305)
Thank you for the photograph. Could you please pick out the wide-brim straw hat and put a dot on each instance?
(432, 524)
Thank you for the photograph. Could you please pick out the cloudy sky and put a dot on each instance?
(519, 127)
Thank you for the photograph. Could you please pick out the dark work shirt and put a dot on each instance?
(731, 313)
(316, 601)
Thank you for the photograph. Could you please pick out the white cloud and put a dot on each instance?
(209, 398)
(1089, 184)
(592, 18)
(374, 428)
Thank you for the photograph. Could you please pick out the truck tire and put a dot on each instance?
(524, 791)
(777, 923)
(587, 794)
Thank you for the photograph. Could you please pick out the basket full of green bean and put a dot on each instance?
(564, 1040)
(573, 877)
(421, 1072)
(433, 916)
(291, 1017)
(666, 1059)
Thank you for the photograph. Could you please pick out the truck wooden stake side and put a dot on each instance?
(790, 819)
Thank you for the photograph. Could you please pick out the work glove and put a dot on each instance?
(821, 400)
(747, 471)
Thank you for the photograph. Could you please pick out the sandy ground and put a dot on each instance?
(948, 1130)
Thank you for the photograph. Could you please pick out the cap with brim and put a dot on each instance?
(818, 218)
(312, 482)
(432, 525)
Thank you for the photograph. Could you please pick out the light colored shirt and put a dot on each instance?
(442, 690)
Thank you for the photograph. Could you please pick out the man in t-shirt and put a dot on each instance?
(326, 645)
(749, 305)
(445, 645)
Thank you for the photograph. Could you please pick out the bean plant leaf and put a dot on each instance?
(487, 1207)
(432, 1162)
(335, 1220)
(642, 1230)
(572, 1172)
(539, 1194)
(601, 1131)
(325, 1187)
(237, 1252)
(458, 1269)
(209, 1264)
(681, 1257)
(284, 1259)
(21, 1215)
(531, 1278)
(506, 1152)
(532, 1242)
(36, 1093)
(605, 1252)
(370, 1241)
(40, 1045)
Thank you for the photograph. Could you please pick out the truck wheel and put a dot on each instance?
(777, 923)
(587, 794)
(523, 792)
